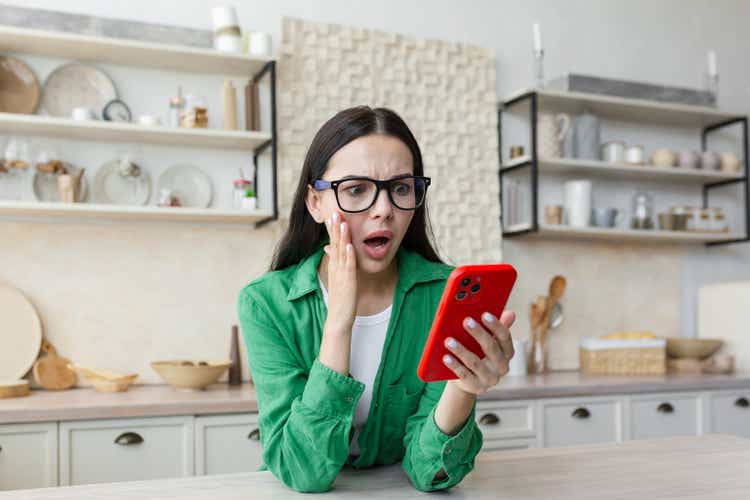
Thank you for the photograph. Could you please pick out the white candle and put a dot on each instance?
(712, 71)
(537, 38)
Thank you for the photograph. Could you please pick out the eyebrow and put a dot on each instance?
(400, 176)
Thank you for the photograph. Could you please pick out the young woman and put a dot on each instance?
(335, 332)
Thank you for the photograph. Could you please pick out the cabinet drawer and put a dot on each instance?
(102, 451)
(730, 413)
(582, 422)
(28, 456)
(225, 444)
(664, 416)
(505, 419)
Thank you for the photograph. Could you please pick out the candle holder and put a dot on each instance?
(712, 85)
(539, 68)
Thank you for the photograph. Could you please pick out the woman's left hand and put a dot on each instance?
(478, 375)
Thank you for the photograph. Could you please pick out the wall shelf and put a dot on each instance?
(621, 170)
(623, 108)
(95, 130)
(129, 52)
(707, 119)
(563, 232)
(132, 213)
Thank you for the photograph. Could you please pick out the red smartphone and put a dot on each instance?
(469, 292)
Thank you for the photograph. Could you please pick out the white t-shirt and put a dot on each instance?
(368, 337)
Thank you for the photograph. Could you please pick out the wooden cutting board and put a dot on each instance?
(52, 371)
(723, 310)
(20, 334)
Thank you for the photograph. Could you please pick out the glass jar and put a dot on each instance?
(703, 221)
(719, 220)
(176, 108)
(642, 211)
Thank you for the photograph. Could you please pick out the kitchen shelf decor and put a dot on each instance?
(708, 119)
(149, 55)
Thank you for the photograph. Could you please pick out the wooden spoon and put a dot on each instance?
(536, 320)
(556, 291)
(52, 371)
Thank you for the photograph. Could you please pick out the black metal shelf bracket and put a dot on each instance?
(268, 69)
(533, 98)
(744, 179)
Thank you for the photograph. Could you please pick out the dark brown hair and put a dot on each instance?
(304, 236)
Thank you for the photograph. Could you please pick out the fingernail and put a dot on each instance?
(335, 217)
(489, 318)
(448, 360)
(348, 248)
(343, 226)
(451, 342)
(471, 323)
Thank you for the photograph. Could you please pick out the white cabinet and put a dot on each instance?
(581, 421)
(102, 451)
(665, 415)
(227, 443)
(729, 412)
(28, 456)
(508, 425)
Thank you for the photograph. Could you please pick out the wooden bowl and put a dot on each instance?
(105, 380)
(190, 375)
(681, 348)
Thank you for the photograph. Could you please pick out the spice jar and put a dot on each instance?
(176, 108)
(195, 114)
(719, 220)
(703, 221)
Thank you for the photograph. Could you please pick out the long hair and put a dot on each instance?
(304, 236)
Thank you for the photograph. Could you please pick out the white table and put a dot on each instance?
(706, 467)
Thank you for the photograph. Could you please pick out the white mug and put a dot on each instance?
(259, 44)
(82, 113)
(578, 203)
(550, 133)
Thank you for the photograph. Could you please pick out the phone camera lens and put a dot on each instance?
(460, 295)
(465, 281)
(475, 288)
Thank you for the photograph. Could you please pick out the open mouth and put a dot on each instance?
(377, 244)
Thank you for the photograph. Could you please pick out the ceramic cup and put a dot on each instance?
(586, 137)
(553, 214)
(689, 160)
(517, 365)
(710, 160)
(149, 120)
(259, 44)
(551, 132)
(605, 217)
(613, 152)
(634, 155)
(730, 163)
(578, 203)
(82, 113)
(663, 158)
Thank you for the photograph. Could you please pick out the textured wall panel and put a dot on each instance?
(444, 91)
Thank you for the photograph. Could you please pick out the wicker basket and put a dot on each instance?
(623, 360)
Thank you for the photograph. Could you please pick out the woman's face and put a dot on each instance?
(377, 232)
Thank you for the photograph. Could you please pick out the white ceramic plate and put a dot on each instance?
(45, 186)
(77, 85)
(191, 185)
(20, 334)
(113, 188)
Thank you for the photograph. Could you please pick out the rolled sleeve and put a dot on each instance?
(454, 450)
(330, 392)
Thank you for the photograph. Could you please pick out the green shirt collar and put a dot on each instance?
(412, 269)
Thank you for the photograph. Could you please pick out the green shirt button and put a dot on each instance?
(349, 399)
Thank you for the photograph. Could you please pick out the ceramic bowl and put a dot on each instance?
(105, 380)
(190, 375)
(664, 158)
(679, 347)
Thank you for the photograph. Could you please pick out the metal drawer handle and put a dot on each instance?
(254, 435)
(489, 419)
(128, 438)
(742, 403)
(581, 413)
(665, 408)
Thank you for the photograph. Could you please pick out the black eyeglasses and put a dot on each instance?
(357, 194)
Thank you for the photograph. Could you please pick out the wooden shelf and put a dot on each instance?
(620, 170)
(618, 234)
(12, 123)
(129, 52)
(641, 110)
(125, 212)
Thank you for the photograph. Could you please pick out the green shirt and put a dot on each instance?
(306, 409)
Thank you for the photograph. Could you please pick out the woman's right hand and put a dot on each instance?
(335, 346)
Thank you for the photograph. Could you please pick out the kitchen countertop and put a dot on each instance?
(703, 468)
(160, 400)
